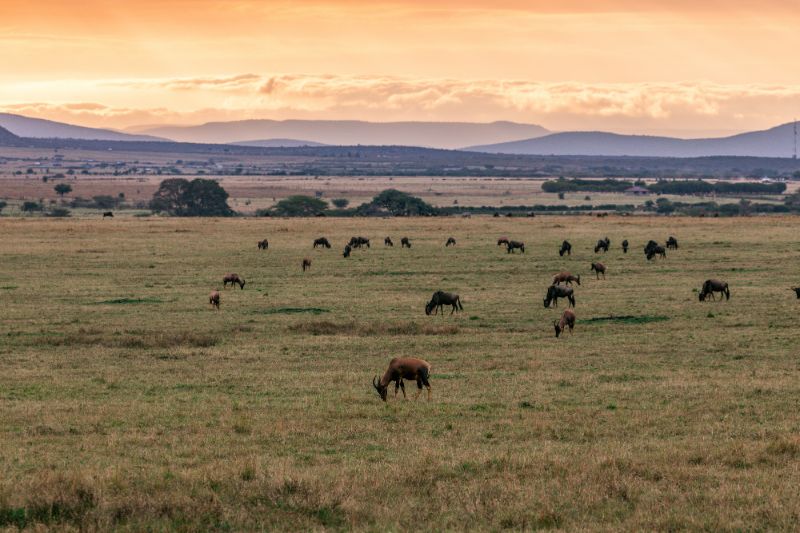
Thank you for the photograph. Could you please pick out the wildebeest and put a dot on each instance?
(450, 242)
(672, 243)
(649, 246)
(358, 242)
(714, 285)
(513, 245)
(797, 291)
(440, 299)
(401, 368)
(263, 245)
(405, 243)
(232, 278)
(108, 214)
(566, 248)
(567, 320)
(502, 240)
(567, 278)
(306, 264)
(388, 242)
(625, 246)
(656, 251)
(554, 292)
(599, 268)
(602, 244)
(213, 299)
(322, 241)
(347, 250)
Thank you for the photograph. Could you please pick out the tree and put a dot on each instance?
(299, 206)
(396, 203)
(341, 203)
(29, 206)
(62, 189)
(196, 198)
(3, 205)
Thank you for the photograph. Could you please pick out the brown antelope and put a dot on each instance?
(567, 320)
(306, 264)
(401, 368)
(232, 279)
(502, 240)
(599, 268)
(213, 299)
(567, 278)
(714, 285)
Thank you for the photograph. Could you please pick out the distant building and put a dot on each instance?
(637, 191)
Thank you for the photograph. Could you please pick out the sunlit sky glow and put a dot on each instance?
(680, 67)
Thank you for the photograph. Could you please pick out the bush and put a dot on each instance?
(31, 206)
(299, 206)
(340, 203)
(59, 212)
(396, 203)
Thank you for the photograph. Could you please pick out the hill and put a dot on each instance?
(352, 132)
(38, 128)
(278, 143)
(775, 142)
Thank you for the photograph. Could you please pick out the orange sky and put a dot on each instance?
(675, 66)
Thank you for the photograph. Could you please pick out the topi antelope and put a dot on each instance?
(567, 320)
(502, 240)
(567, 278)
(306, 264)
(714, 285)
(554, 292)
(401, 368)
(213, 299)
(232, 279)
(599, 268)
(440, 299)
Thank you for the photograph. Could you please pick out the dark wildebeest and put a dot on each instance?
(405, 243)
(554, 292)
(401, 368)
(388, 242)
(213, 299)
(566, 248)
(232, 279)
(502, 240)
(672, 243)
(358, 242)
(440, 299)
(322, 241)
(567, 278)
(108, 214)
(649, 246)
(625, 246)
(306, 264)
(567, 320)
(513, 245)
(602, 244)
(450, 242)
(714, 285)
(263, 245)
(656, 251)
(797, 291)
(599, 268)
(347, 250)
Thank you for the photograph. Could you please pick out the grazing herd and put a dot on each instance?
(413, 369)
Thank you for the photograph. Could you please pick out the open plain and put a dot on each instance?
(128, 403)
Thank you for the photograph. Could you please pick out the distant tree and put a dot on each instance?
(3, 205)
(396, 203)
(299, 206)
(29, 206)
(341, 203)
(62, 189)
(104, 201)
(196, 198)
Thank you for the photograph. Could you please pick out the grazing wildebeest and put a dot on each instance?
(440, 299)
(322, 241)
(108, 214)
(388, 242)
(306, 264)
(656, 251)
(672, 243)
(513, 245)
(797, 291)
(405, 243)
(566, 248)
(213, 299)
(714, 285)
(599, 268)
(567, 320)
(401, 368)
(649, 246)
(567, 278)
(502, 240)
(232, 279)
(450, 242)
(625, 246)
(263, 245)
(347, 250)
(358, 242)
(554, 292)
(602, 244)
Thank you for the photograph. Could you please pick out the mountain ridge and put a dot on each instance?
(39, 128)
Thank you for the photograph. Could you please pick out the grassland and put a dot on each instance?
(126, 403)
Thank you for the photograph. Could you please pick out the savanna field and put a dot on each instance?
(127, 403)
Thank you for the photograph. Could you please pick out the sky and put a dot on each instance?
(678, 67)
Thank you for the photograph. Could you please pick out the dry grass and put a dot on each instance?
(127, 403)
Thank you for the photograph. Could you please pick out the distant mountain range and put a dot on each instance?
(38, 128)
(448, 135)
(775, 142)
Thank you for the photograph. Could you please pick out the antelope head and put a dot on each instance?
(382, 391)
(558, 328)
